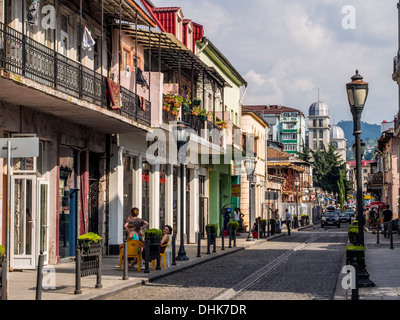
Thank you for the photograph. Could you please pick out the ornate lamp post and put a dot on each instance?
(297, 184)
(250, 166)
(182, 136)
(357, 92)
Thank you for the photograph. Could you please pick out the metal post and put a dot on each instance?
(223, 240)
(8, 214)
(360, 216)
(182, 253)
(234, 238)
(230, 237)
(147, 255)
(39, 287)
(98, 277)
(125, 251)
(354, 292)
(4, 279)
(198, 244)
(78, 272)
(173, 250)
(391, 235)
(250, 237)
(208, 241)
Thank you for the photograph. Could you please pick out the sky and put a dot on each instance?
(289, 51)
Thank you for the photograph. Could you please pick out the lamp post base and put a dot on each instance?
(182, 255)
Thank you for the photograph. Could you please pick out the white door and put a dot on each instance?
(43, 219)
(22, 226)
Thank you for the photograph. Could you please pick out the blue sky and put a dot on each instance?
(288, 50)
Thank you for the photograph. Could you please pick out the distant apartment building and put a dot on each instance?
(287, 125)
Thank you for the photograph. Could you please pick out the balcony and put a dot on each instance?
(375, 181)
(59, 77)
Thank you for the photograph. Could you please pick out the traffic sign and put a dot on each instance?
(20, 147)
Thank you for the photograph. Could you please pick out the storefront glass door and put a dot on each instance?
(23, 219)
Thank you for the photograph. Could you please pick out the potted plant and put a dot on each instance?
(353, 234)
(357, 252)
(90, 243)
(234, 225)
(212, 231)
(203, 114)
(221, 123)
(154, 235)
(186, 103)
(304, 219)
(196, 102)
(2, 251)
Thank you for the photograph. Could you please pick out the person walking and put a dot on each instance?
(387, 218)
(288, 220)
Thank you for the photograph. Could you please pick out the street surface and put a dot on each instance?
(303, 266)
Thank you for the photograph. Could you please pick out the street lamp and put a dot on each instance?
(297, 184)
(357, 92)
(182, 137)
(250, 166)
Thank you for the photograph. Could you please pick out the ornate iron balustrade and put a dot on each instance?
(24, 56)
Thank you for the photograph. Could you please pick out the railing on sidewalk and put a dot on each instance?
(24, 56)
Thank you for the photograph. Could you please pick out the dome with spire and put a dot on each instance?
(318, 108)
(337, 133)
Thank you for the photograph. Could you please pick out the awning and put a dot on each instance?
(129, 11)
(174, 53)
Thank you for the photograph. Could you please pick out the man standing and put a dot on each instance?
(387, 218)
(288, 220)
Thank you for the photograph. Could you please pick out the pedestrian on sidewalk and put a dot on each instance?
(387, 218)
(288, 220)
(133, 218)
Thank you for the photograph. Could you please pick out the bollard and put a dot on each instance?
(98, 277)
(258, 229)
(391, 235)
(39, 279)
(173, 263)
(147, 255)
(214, 243)
(4, 279)
(234, 239)
(377, 234)
(223, 240)
(125, 274)
(230, 237)
(78, 272)
(354, 292)
(208, 241)
(198, 245)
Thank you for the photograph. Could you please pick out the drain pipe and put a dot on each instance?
(244, 93)
(201, 50)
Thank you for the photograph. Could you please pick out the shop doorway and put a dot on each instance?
(22, 222)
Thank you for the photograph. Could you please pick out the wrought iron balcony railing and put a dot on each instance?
(26, 57)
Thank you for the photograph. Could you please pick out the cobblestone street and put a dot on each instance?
(303, 266)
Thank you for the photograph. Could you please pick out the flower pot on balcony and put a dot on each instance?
(196, 102)
(185, 108)
(203, 118)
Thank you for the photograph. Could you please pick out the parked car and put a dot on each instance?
(345, 217)
(330, 218)
(350, 212)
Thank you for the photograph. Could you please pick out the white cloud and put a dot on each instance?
(287, 50)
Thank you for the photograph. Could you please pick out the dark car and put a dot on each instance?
(345, 217)
(350, 212)
(330, 218)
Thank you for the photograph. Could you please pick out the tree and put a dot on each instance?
(329, 172)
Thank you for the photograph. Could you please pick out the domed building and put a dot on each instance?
(338, 140)
(318, 126)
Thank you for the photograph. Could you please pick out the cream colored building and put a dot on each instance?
(255, 126)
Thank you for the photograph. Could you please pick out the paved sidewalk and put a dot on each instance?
(22, 284)
(383, 266)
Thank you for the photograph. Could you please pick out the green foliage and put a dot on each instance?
(353, 229)
(90, 236)
(329, 172)
(2, 250)
(153, 234)
(213, 227)
(234, 225)
(359, 248)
